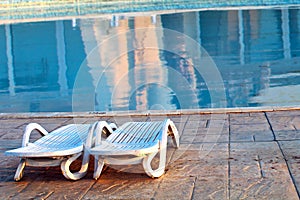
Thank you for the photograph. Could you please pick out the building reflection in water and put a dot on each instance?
(133, 63)
(128, 69)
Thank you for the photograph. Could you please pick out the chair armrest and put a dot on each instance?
(28, 130)
(95, 132)
(113, 126)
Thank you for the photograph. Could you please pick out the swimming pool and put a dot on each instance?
(148, 62)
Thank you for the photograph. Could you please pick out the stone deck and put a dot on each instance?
(251, 155)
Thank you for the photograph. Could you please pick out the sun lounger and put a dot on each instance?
(132, 143)
(59, 147)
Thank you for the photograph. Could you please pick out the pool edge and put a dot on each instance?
(107, 15)
(147, 113)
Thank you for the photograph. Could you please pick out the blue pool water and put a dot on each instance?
(151, 62)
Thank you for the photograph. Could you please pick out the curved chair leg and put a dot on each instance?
(20, 170)
(162, 164)
(65, 166)
(99, 164)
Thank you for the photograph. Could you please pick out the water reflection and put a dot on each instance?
(256, 51)
(130, 70)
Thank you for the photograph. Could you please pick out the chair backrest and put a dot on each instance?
(70, 135)
(137, 133)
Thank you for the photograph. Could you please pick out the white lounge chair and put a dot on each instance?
(59, 147)
(140, 141)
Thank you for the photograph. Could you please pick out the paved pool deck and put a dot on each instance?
(238, 155)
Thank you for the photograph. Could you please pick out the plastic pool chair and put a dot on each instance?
(59, 147)
(132, 143)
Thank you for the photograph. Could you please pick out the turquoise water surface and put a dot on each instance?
(134, 63)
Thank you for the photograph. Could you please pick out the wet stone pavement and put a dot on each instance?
(251, 155)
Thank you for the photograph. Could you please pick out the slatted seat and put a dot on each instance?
(60, 142)
(139, 140)
(59, 147)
